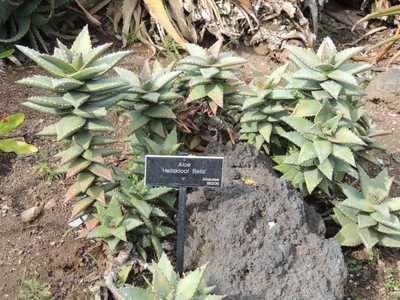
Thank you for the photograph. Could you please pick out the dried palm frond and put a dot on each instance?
(389, 42)
(195, 21)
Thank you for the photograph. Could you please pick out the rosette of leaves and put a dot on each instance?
(166, 284)
(142, 145)
(328, 144)
(150, 99)
(327, 73)
(369, 217)
(81, 96)
(263, 109)
(149, 205)
(209, 75)
(114, 223)
(16, 145)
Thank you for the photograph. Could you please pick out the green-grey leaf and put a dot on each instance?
(365, 221)
(197, 92)
(187, 287)
(348, 235)
(307, 152)
(306, 56)
(68, 125)
(46, 65)
(308, 74)
(345, 55)
(306, 108)
(160, 111)
(266, 130)
(209, 72)
(298, 123)
(327, 168)
(369, 237)
(332, 87)
(312, 178)
(346, 136)
(82, 43)
(344, 153)
(343, 77)
(323, 149)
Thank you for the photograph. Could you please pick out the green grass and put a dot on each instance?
(131, 37)
(32, 289)
(373, 257)
(392, 283)
(43, 167)
(170, 47)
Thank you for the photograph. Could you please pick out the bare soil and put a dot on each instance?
(44, 249)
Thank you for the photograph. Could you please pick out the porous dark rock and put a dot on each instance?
(385, 88)
(258, 238)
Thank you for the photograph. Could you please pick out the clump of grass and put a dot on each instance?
(33, 290)
(392, 282)
(44, 168)
(171, 47)
(373, 257)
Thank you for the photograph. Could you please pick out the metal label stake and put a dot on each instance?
(181, 230)
(182, 172)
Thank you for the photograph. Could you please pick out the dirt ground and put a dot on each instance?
(50, 252)
(44, 249)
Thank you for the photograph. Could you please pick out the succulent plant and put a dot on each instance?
(150, 99)
(166, 284)
(325, 74)
(327, 145)
(263, 109)
(81, 95)
(369, 217)
(135, 200)
(209, 74)
(325, 129)
(149, 205)
(142, 145)
(16, 145)
(113, 223)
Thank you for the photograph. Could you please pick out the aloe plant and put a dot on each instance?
(135, 214)
(149, 205)
(17, 145)
(263, 109)
(209, 74)
(369, 217)
(114, 224)
(141, 146)
(81, 96)
(212, 101)
(326, 148)
(150, 99)
(167, 284)
(326, 74)
(319, 130)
